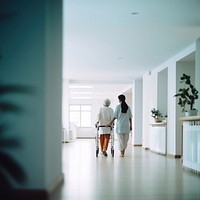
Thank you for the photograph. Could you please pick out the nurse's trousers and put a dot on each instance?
(123, 140)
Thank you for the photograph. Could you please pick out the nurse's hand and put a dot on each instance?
(107, 125)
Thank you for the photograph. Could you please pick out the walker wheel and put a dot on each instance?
(97, 152)
(112, 152)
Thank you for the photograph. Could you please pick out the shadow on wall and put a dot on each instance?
(10, 170)
(12, 173)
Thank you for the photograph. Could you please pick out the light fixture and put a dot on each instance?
(134, 13)
(80, 92)
(80, 97)
(81, 86)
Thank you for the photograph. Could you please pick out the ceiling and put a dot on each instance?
(115, 40)
(98, 90)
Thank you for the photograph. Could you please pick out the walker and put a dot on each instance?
(111, 139)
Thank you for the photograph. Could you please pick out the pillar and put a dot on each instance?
(137, 113)
(197, 72)
(31, 55)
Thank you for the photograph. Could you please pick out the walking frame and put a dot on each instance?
(111, 139)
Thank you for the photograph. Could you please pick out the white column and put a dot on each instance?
(149, 101)
(171, 120)
(65, 110)
(197, 72)
(31, 51)
(137, 112)
(53, 93)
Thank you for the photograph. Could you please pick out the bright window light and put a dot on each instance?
(81, 115)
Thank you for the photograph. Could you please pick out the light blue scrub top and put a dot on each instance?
(123, 120)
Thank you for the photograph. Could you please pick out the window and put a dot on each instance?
(80, 115)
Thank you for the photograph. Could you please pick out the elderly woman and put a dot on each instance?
(104, 116)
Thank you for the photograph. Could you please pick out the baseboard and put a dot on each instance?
(58, 182)
(191, 171)
(177, 156)
(157, 152)
(25, 194)
(89, 137)
(32, 194)
(65, 141)
(174, 156)
(137, 145)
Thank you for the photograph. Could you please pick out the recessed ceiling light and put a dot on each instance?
(80, 86)
(80, 92)
(80, 97)
(134, 13)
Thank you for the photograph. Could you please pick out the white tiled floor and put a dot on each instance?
(140, 175)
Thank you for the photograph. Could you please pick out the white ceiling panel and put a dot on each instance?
(115, 40)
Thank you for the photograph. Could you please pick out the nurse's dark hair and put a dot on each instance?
(124, 105)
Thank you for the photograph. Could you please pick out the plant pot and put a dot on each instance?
(191, 113)
(157, 120)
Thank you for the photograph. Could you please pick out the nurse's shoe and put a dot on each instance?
(121, 154)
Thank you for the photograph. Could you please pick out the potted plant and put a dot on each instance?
(165, 119)
(157, 115)
(187, 96)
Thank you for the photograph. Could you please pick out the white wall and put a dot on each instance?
(53, 91)
(162, 91)
(150, 100)
(65, 107)
(128, 96)
(189, 69)
(171, 119)
(31, 49)
(96, 105)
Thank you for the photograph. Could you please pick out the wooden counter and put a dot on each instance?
(159, 124)
(191, 118)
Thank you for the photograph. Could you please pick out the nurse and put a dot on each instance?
(124, 123)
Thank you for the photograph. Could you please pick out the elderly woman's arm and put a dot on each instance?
(111, 122)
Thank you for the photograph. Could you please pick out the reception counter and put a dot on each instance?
(191, 143)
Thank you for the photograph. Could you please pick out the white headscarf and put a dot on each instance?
(106, 102)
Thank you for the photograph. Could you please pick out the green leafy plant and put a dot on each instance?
(10, 170)
(155, 113)
(188, 94)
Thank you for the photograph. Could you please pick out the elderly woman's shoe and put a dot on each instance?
(105, 153)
